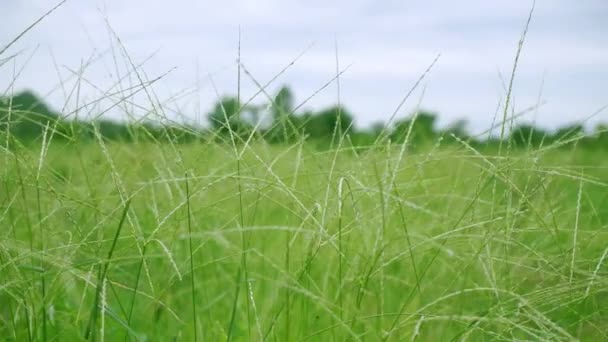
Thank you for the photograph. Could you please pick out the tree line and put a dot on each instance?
(25, 117)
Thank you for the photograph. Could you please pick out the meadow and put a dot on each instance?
(144, 241)
(292, 232)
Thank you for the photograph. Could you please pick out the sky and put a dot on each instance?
(383, 46)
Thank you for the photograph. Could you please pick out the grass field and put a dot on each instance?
(290, 243)
(250, 241)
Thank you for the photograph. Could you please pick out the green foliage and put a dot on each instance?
(568, 133)
(528, 136)
(601, 135)
(284, 125)
(283, 103)
(322, 125)
(25, 117)
(423, 129)
(225, 116)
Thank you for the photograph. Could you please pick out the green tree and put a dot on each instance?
(367, 137)
(28, 113)
(284, 123)
(283, 103)
(225, 116)
(323, 124)
(601, 136)
(423, 128)
(568, 134)
(528, 135)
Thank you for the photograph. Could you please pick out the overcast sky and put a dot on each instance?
(387, 44)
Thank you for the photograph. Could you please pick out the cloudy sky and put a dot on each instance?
(386, 45)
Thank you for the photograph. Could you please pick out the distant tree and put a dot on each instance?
(24, 117)
(423, 128)
(28, 102)
(283, 103)
(377, 128)
(324, 123)
(283, 126)
(568, 134)
(601, 136)
(29, 115)
(527, 135)
(367, 137)
(225, 116)
(113, 130)
(456, 130)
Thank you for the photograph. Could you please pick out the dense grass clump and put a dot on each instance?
(260, 242)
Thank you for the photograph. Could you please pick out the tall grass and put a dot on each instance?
(391, 242)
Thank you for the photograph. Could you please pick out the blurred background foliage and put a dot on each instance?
(25, 116)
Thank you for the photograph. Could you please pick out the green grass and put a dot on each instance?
(243, 240)
(289, 242)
